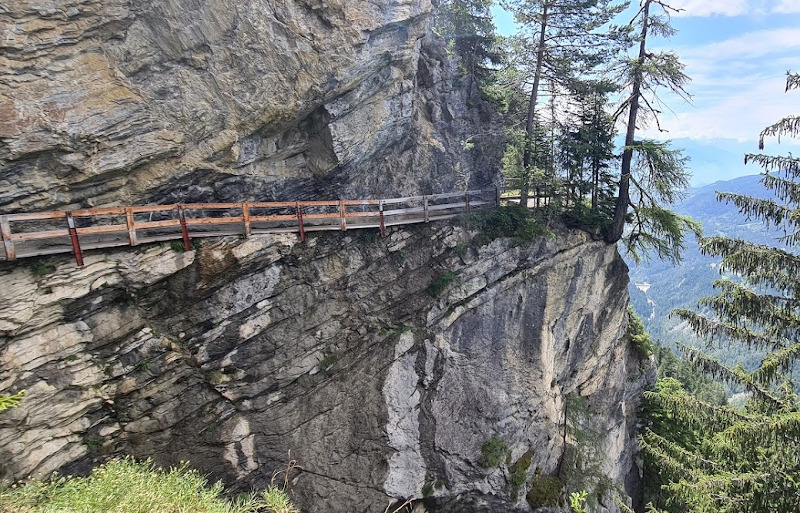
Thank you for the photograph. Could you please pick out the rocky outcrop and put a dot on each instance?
(112, 101)
(381, 365)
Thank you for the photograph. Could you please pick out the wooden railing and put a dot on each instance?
(46, 233)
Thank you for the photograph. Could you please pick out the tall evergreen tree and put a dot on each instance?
(468, 25)
(586, 147)
(559, 40)
(656, 172)
(743, 460)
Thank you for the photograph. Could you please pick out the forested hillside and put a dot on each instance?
(681, 285)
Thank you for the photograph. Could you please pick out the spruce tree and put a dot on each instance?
(468, 27)
(744, 460)
(586, 149)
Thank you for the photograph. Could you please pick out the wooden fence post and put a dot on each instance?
(5, 231)
(246, 219)
(129, 221)
(342, 219)
(299, 211)
(73, 235)
(466, 200)
(425, 207)
(383, 221)
(187, 246)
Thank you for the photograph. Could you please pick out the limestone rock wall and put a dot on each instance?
(116, 101)
(245, 354)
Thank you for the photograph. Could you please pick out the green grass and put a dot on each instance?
(41, 268)
(127, 486)
(177, 246)
(276, 501)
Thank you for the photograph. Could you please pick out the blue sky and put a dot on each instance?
(737, 53)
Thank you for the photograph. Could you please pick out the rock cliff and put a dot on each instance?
(386, 367)
(115, 101)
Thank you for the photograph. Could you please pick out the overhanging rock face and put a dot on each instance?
(118, 102)
(381, 365)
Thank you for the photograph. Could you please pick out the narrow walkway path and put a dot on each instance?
(47, 233)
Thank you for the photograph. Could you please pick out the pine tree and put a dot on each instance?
(652, 174)
(743, 460)
(560, 40)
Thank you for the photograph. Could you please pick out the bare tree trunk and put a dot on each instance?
(623, 198)
(527, 154)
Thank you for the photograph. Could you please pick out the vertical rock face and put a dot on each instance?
(382, 366)
(171, 100)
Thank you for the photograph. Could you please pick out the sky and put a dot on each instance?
(737, 53)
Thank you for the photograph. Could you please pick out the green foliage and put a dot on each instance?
(440, 284)
(41, 268)
(8, 401)
(518, 472)
(577, 501)
(275, 500)
(494, 452)
(708, 458)
(545, 492)
(690, 378)
(430, 488)
(326, 363)
(127, 486)
(468, 28)
(638, 337)
(659, 179)
(652, 175)
(513, 221)
(587, 218)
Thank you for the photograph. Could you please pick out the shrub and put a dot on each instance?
(585, 217)
(326, 363)
(519, 470)
(639, 338)
(545, 492)
(439, 285)
(494, 452)
(512, 221)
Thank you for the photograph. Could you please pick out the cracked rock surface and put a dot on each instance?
(244, 354)
(127, 102)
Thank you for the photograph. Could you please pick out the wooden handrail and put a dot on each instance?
(45, 233)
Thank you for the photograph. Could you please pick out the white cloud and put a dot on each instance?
(750, 45)
(787, 6)
(738, 87)
(711, 7)
(705, 8)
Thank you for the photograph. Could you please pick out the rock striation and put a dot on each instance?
(115, 102)
(383, 366)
